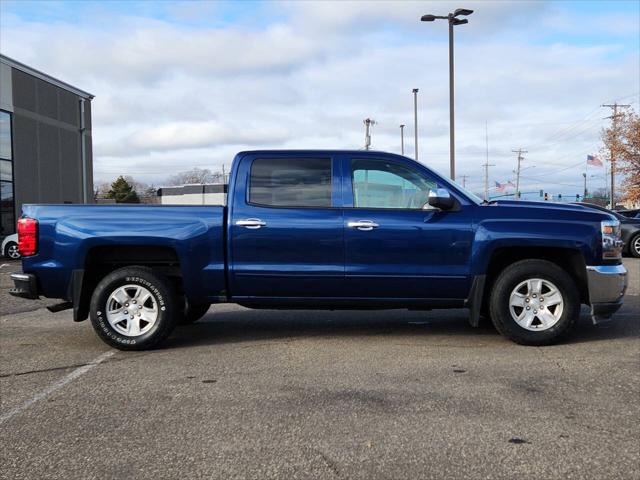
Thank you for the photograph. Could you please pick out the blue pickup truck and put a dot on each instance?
(324, 230)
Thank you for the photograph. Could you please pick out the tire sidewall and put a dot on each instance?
(162, 296)
(520, 272)
(632, 249)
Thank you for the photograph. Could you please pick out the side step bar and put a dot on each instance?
(58, 307)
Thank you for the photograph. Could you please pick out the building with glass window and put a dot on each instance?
(45, 141)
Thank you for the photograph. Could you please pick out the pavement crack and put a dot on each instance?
(328, 461)
(52, 369)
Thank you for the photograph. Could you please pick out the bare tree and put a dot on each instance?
(622, 141)
(195, 175)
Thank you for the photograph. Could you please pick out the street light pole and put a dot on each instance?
(402, 138)
(415, 121)
(453, 21)
(452, 127)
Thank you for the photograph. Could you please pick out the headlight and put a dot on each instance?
(611, 243)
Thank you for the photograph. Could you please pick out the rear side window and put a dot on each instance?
(291, 182)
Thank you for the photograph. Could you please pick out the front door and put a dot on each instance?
(395, 246)
(286, 236)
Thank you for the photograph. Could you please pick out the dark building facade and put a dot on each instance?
(45, 141)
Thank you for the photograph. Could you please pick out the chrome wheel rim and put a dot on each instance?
(536, 304)
(13, 251)
(132, 310)
(636, 245)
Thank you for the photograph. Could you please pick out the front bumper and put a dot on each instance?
(607, 286)
(25, 286)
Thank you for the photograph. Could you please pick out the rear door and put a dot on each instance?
(395, 246)
(286, 233)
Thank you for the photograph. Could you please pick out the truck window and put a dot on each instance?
(383, 184)
(291, 182)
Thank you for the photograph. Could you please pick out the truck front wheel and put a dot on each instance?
(534, 302)
(133, 308)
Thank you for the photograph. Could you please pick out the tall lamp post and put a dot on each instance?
(453, 20)
(415, 121)
(402, 139)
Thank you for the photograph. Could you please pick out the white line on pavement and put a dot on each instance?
(56, 386)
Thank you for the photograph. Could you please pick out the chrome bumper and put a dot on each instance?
(25, 286)
(607, 286)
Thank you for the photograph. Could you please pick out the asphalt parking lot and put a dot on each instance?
(303, 394)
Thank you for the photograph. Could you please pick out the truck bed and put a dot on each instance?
(72, 235)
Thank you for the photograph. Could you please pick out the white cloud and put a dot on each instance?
(170, 96)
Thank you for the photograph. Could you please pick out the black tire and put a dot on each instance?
(514, 275)
(11, 251)
(162, 294)
(634, 246)
(193, 312)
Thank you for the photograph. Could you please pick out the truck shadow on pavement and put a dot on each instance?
(435, 327)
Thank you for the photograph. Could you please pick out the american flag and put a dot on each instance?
(593, 160)
(500, 186)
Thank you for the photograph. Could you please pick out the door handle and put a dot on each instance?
(363, 225)
(251, 223)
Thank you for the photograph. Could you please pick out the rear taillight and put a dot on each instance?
(27, 236)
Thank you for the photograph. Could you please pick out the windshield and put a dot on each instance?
(472, 196)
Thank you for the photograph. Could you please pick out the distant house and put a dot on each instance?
(200, 194)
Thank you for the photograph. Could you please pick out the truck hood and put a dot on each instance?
(560, 209)
(533, 204)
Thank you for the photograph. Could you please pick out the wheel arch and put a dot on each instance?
(104, 259)
(570, 260)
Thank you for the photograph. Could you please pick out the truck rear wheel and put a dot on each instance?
(133, 308)
(534, 302)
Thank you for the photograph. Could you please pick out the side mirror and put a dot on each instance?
(441, 198)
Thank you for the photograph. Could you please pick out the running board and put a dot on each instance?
(58, 307)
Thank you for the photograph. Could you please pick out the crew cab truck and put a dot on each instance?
(324, 229)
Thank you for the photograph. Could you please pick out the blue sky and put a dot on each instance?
(182, 84)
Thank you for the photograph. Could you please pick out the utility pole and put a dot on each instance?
(584, 195)
(517, 172)
(614, 120)
(415, 120)
(486, 180)
(464, 180)
(402, 138)
(367, 136)
(486, 163)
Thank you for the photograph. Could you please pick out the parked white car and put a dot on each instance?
(10, 247)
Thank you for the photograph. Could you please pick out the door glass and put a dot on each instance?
(291, 182)
(382, 184)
